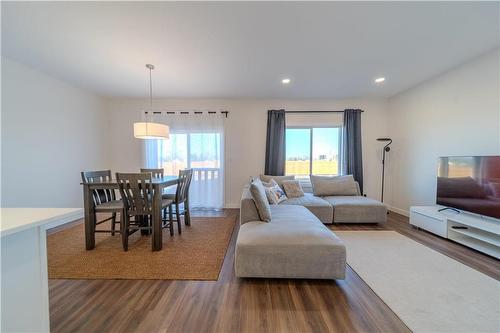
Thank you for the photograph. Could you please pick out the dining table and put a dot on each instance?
(159, 184)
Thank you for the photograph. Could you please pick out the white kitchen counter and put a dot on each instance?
(24, 287)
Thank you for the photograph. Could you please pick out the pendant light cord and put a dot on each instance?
(149, 114)
(150, 90)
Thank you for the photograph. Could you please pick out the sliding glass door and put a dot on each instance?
(198, 145)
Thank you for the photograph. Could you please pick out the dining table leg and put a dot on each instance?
(89, 218)
(156, 216)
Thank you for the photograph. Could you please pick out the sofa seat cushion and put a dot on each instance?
(318, 206)
(357, 209)
(294, 244)
(293, 215)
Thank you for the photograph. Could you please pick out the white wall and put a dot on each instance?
(245, 134)
(50, 132)
(456, 113)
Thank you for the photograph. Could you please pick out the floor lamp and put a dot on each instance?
(386, 149)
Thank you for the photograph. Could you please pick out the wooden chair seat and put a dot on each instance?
(109, 206)
(104, 201)
(169, 196)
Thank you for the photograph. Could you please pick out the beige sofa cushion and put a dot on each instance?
(260, 198)
(248, 210)
(293, 189)
(357, 209)
(295, 244)
(338, 185)
(278, 179)
(306, 185)
(271, 183)
(319, 207)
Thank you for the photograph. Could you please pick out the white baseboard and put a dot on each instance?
(398, 210)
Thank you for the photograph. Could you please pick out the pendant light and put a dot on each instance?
(150, 130)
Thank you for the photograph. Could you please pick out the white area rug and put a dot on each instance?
(429, 291)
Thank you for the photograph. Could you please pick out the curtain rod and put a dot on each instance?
(225, 113)
(317, 111)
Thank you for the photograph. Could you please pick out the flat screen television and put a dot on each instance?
(470, 183)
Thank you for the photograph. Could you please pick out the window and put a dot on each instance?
(313, 151)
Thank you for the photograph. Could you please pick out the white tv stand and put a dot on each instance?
(475, 231)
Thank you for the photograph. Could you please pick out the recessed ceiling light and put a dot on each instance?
(285, 81)
(380, 80)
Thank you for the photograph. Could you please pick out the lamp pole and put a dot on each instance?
(385, 149)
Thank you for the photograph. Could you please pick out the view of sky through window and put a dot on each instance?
(324, 154)
(203, 150)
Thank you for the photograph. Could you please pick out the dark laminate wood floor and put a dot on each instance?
(241, 305)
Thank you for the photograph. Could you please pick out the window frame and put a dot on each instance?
(311, 129)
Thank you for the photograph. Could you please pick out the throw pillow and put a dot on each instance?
(275, 195)
(260, 199)
(293, 188)
(339, 185)
(271, 183)
(277, 179)
(267, 187)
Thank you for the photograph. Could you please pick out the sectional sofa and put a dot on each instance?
(328, 209)
(295, 243)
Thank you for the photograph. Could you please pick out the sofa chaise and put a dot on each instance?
(294, 244)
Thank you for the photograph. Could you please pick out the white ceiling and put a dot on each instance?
(329, 50)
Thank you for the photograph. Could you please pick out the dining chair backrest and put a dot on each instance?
(157, 173)
(137, 192)
(183, 184)
(102, 195)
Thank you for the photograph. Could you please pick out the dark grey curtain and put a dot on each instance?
(275, 143)
(352, 151)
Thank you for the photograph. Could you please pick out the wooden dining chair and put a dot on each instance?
(137, 193)
(159, 173)
(181, 197)
(104, 200)
(156, 173)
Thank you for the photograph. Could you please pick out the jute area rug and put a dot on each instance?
(429, 291)
(196, 254)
